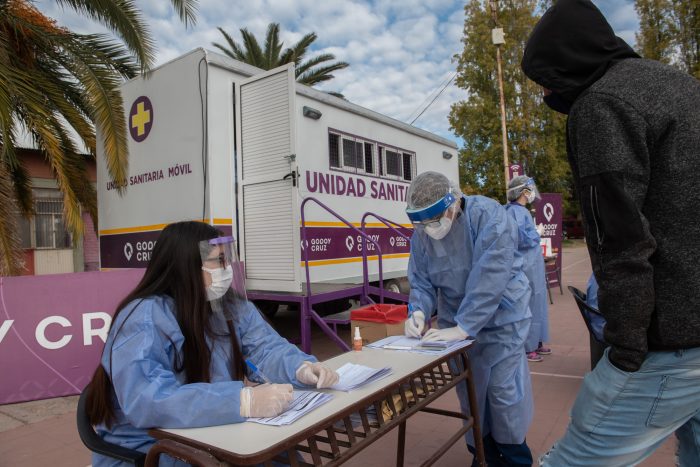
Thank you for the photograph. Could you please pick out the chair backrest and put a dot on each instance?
(585, 310)
(94, 443)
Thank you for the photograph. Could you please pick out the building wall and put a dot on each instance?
(83, 256)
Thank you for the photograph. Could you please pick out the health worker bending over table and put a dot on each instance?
(176, 350)
(464, 246)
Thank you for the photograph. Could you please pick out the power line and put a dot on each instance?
(434, 98)
(427, 98)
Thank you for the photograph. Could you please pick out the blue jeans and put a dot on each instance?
(620, 418)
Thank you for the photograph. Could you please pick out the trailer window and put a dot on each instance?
(353, 154)
(393, 163)
(369, 158)
(409, 166)
(333, 149)
(380, 159)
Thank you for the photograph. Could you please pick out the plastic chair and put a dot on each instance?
(94, 443)
(597, 346)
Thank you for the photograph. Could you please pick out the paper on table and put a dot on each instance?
(353, 376)
(302, 403)
(414, 344)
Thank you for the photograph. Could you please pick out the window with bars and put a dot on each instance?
(353, 156)
(393, 163)
(46, 229)
(357, 155)
(333, 149)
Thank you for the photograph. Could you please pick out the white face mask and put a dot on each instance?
(531, 197)
(220, 282)
(441, 230)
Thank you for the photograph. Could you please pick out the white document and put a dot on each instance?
(414, 344)
(353, 376)
(302, 403)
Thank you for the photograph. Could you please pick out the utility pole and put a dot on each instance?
(498, 39)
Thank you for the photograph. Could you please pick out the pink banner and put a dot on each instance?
(53, 328)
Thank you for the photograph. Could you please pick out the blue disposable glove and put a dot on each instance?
(448, 334)
(414, 325)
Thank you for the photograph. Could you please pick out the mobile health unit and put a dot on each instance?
(217, 140)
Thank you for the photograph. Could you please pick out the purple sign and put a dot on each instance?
(53, 329)
(140, 118)
(132, 250)
(324, 243)
(514, 170)
(548, 212)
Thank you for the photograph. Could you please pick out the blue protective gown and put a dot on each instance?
(483, 289)
(149, 393)
(533, 265)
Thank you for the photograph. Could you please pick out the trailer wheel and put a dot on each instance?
(267, 308)
(399, 285)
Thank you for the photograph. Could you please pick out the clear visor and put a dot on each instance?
(224, 275)
(435, 221)
(530, 186)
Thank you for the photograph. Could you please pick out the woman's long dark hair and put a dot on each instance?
(174, 270)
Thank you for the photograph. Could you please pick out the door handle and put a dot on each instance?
(293, 176)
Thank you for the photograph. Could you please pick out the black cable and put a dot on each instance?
(438, 95)
(205, 127)
(426, 99)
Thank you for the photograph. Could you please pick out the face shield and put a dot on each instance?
(528, 186)
(223, 273)
(436, 219)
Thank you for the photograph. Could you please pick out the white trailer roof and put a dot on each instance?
(222, 61)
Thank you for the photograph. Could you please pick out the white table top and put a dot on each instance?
(250, 438)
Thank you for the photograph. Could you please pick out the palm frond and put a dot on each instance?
(318, 75)
(11, 258)
(253, 52)
(124, 19)
(186, 10)
(273, 46)
(299, 49)
(312, 62)
(234, 50)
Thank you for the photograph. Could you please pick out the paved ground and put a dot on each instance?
(43, 432)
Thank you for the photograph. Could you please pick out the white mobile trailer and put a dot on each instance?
(218, 140)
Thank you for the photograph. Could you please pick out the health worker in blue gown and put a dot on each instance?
(521, 192)
(464, 267)
(176, 350)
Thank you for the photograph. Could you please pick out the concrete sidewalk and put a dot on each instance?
(44, 432)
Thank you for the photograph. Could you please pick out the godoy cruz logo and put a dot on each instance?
(349, 242)
(548, 211)
(128, 251)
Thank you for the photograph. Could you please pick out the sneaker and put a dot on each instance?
(544, 351)
(533, 357)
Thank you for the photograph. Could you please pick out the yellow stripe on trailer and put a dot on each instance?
(326, 262)
(151, 228)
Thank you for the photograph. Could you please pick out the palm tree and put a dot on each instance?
(55, 82)
(308, 72)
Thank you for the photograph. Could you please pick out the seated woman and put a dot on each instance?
(176, 350)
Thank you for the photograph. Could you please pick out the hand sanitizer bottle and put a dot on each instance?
(357, 340)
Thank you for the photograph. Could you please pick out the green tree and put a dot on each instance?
(55, 83)
(536, 135)
(309, 72)
(669, 31)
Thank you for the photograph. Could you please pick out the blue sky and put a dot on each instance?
(400, 51)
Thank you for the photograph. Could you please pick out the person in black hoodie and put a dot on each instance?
(633, 141)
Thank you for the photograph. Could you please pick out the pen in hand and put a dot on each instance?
(255, 370)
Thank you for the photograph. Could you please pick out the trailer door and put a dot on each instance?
(268, 181)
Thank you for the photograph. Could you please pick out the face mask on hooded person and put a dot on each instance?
(557, 102)
(570, 48)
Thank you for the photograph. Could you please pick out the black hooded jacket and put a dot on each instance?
(633, 140)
